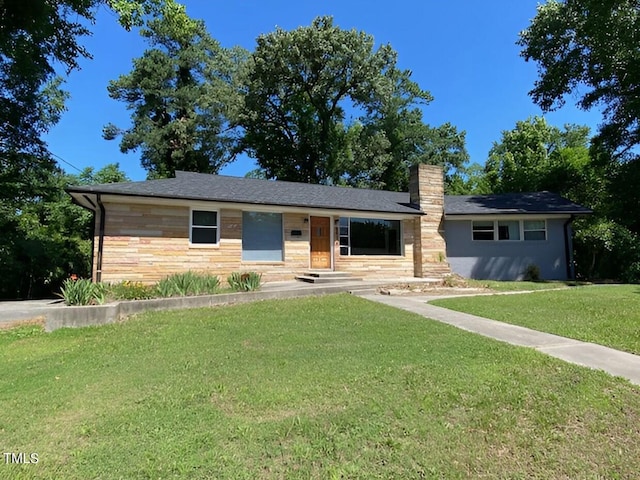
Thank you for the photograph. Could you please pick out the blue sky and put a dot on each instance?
(462, 51)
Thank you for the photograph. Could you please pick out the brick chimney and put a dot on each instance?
(426, 188)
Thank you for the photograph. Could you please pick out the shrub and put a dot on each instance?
(631, 274)
(532, 273)
(81, 292)
(244, 282)
(128, 290)
(187, 283)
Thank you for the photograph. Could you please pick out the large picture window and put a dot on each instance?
(204, 227)
(513, 230)
(262, 237)
(370, 236)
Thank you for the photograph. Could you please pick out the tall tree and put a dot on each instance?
(182, 93)
(589, 48)
(36, 37)
(46, 238)
(323, 106)
(394, 137)
(537, 156)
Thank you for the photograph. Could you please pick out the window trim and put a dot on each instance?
(544, 229)
(348, 237)
(474, 231)
(191, 227)
(521, 228)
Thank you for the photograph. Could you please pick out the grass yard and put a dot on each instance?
(330, 387)
(505, 286)
(604, 314)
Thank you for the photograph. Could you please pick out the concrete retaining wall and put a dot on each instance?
(102, 314)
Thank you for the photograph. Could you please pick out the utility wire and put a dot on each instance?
(64, 161)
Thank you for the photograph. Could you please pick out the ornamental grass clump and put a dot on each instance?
(82, 291)
(187, 284)
(244, 282)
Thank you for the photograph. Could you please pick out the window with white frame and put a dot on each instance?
(535, 229)
(204, 227)
(370, 236)
(509, 230)
(482, 230)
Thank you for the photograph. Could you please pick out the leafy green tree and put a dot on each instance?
(110, 173)
(182, 93)
(322, 106)
(36, 37)
(536, 156)
(393, 138)
(589, 48)
(468, 180)
(46, 238)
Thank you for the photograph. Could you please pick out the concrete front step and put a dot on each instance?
(326, 277)
(327, 274)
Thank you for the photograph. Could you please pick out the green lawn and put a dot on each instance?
(331, 387)
(604, 314)
(503, 286)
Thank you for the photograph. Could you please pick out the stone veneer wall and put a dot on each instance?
(145, 243)
(426, 188)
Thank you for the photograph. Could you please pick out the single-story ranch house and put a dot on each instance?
(147, 230)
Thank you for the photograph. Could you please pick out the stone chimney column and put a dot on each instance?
(426, 189)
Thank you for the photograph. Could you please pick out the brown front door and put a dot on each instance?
(320, 242)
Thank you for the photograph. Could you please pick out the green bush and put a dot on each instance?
(631, 274)
(531, 273)
(128, 290)
(606, 250)
(81, 292)
(187, 284)
(244, 282)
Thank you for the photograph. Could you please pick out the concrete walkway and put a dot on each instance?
(590, 355)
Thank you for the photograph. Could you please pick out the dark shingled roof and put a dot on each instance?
(511, 203)
(220, 188)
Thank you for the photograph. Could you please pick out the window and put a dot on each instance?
(482, 230)
(344, 236)
(204, 227)
(262, 237)
(508, 230)
(512, 230)
(370, 236)
(535, 230)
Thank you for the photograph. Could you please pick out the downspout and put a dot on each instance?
(568, 249)
(100, 239)
(93, 235)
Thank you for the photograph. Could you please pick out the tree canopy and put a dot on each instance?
(536, 156)
(589, 48)
(321, 105)
(181, 93)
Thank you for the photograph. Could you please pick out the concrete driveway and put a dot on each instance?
(23, 310)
